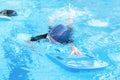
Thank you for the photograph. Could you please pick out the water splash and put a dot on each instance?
(68, 12)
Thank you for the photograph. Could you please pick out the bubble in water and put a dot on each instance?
(115, 57)
(97, 23)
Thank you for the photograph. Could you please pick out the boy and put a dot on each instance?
(60, 34)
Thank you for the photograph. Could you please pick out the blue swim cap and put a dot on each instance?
(60, 33)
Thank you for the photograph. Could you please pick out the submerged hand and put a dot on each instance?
(74, 50)
(30, 43)
(70, 22)
(51, 21)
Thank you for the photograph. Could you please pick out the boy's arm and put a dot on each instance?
(74, 49)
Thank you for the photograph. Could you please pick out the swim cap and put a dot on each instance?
(60, 33)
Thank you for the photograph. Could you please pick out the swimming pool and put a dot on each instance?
(96, 32)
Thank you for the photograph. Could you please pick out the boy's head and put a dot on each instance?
(60, 33)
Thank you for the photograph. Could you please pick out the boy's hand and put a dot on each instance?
(74, 50)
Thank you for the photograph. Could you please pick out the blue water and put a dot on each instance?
(96, 32)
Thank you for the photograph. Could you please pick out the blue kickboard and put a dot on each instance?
(76, 63)
(4, 18)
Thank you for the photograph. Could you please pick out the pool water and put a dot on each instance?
(96, 32)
